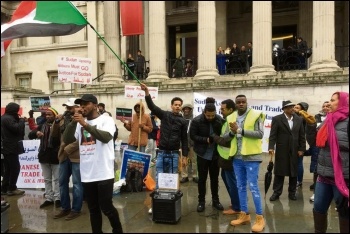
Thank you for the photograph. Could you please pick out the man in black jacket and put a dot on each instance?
(173, 136)
(12, 131)
(202, 129)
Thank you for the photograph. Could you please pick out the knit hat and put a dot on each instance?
(53, 111)
(304, 106)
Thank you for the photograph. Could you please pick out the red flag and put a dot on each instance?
(131, 17)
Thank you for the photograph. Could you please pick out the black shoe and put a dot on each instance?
(292, 197)
(218, 205)
(57, 203)
(274, 197)
(195, 179)
(46, 203)
(201, 207)
(312, 187)
(184, 180)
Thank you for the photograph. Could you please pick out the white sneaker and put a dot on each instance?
(150, 211)
(312, 198)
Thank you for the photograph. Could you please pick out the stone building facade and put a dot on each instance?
(192, 29)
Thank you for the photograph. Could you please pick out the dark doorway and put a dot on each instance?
(284, 36)
(183, 41)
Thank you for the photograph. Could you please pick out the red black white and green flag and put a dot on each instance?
(43, 18)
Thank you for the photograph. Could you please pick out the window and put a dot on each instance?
(53, 81)
(24, 80)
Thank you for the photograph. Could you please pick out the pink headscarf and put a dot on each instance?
(332, 119)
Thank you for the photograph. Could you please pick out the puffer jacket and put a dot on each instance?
(324, 163)
(173, 130)
(200, 131)
(12, 129)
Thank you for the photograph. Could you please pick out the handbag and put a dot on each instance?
(149, 182)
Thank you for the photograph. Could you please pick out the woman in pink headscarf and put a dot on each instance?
(333, 165)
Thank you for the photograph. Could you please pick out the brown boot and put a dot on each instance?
(243, 218)
(320, 222)
(343, 225)
(259, 224)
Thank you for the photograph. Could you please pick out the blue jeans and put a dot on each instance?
(167, 162)
(324, 193)
(134, 148)
(300, 169)
(313, 152)
(68, 168)
(230, 182)
(248, 171)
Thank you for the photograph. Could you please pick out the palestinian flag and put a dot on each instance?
(43, 18)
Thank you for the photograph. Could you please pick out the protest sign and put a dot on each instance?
(124, 112)
(40, 103)
(135, 92)
(134, 159)
(270, 108)
(30, 175)
(74, 70)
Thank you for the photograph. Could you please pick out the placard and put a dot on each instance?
(134, 159)
(74, 70)
(40, 103)
(135, 92)
(168, 181)
(124, 112)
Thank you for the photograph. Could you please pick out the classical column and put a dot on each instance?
(206, 41)
(112, 37)
(323, 37)
(157, 47)
(262, 39)
(305, 23)
(91, 12)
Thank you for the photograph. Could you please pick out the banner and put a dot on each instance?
(40, 103)
(74, 70)
(134, 159)
(131, 18)
(270, 108)
(30, 175)
(135, 92)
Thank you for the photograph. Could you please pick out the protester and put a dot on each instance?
(225, 161)
(333, 165)
(140, 65)
(173, 136)
(94, 133)
(69, 159)
(201, 130)
(48, 157)
(12, 131)
(187, 110)
(247, 127)
(101, 109)
(145, 125)
(288, 136)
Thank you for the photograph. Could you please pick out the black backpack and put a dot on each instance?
(133, 180)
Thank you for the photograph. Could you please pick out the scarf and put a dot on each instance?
(327, 133)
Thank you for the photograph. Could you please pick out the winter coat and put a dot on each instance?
(287, 142)
(324, 162)
(133, 127)
(12, 129)
(140, 63)
(200, 132)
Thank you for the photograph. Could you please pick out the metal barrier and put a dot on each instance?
(140, 70)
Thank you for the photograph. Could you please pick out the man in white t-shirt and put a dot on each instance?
(95, 135)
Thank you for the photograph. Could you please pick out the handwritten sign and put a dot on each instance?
(168, 181)
(40, 103)
(134, 159)
(74, 70)
(30, 175)
(135, 92)
(270, 108)
(124, 112)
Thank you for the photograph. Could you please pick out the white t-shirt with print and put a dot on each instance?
(96, 158)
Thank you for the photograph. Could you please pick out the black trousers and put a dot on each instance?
(11, 168)
(278, 184)
(205, 166)
(99, 196)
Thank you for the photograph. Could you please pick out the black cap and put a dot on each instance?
(286, 104)
(86, 98)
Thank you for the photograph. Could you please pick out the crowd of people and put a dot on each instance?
(80, 143)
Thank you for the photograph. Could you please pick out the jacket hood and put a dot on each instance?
(143, 107)
(187, 105)
(12, 108)
(304, 105)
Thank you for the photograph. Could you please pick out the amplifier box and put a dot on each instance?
(166, 206)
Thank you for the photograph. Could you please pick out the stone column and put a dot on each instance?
(112, 37)
(262, 39)
(157, 47)
(323, 37)
(91, 9)
(206, 41)
(305, 23)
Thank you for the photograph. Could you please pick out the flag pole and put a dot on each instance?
(133, 75)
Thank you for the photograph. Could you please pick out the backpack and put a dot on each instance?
(133, 180)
